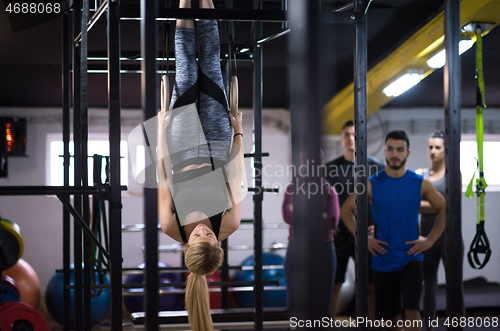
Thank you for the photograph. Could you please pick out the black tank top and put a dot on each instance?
(215, 220)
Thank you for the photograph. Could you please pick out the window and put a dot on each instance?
(97, 144)
(491, 161)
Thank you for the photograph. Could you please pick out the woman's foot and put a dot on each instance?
(184, 23)
(206, 4)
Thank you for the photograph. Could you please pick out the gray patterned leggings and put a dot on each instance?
(200, 84)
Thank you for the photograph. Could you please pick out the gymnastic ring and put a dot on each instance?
(164, 95)
(233, 92)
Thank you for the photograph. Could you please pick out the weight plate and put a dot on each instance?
(17, 316)
(8, 281)
(16, 230)
(7, 294)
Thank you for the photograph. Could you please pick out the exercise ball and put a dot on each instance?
(100, 302)
(346, 292)
(272, 298)
(27, 281)
(168, 301)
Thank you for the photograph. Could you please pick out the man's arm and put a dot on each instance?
(347, 216)
(437, 202)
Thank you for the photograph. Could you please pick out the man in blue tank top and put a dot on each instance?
(395, 194)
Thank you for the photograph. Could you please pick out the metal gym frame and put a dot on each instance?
(305, 120)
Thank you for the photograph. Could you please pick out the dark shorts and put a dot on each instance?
(398, 291)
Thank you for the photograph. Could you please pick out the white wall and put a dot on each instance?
(40, 217)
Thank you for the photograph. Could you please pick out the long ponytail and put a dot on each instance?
(201, 258)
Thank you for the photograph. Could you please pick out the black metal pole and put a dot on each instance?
(257, 163)
(452, 106)
(115, 202)
(224, 273)
(149, 30)
(77, 232)
(66, 103)
(306, 110)
(84, 153)
(360, 71)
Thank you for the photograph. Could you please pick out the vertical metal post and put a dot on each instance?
(149, 32)
(452, 105)
(77, 232)
(306, 110)
(224, 273)
(360, 162)
(84, 160)
(284, 6)
(66, 104)
(115, 198)
(257, 165)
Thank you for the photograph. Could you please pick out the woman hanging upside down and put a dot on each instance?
(200, 174)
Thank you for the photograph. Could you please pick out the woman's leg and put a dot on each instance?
(185, 89)
(213, 106)
(183, 134)
(430, 266)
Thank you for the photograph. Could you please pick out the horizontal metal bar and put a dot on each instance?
(141, 227)
(166, 270)
(171, 249)
(100, 71)
(133, 13)
(182, 284)
(265, 226)
(136, 228)
(140, 292)
(52, 190)
(136, 55)
(273, 36)
(93, 19)
(253, 154)
(266, 190)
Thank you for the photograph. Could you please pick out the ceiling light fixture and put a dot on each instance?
(438, 60)
(402, 84)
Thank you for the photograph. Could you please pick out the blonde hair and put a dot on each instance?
(201, 258)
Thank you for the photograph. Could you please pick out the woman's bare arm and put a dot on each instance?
(166, 207)
(232, 217)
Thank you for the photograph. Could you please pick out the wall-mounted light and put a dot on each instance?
(403, 84)
(438, 60)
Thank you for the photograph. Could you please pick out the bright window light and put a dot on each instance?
(402, 84)
(438, 60)
(100, 147)
(491, 160)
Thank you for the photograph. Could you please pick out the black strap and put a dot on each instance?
(181, 228)
(188, 97)
(479, 245)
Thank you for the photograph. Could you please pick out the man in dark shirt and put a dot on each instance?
(340, 174)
